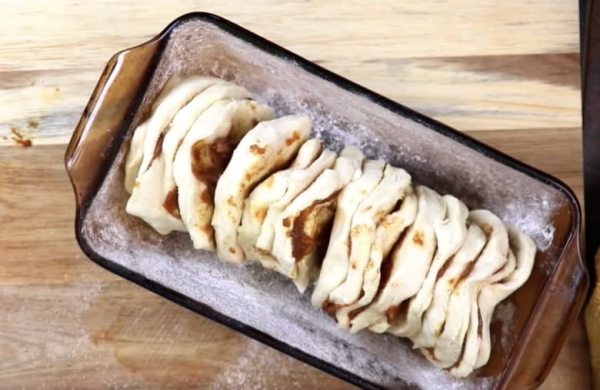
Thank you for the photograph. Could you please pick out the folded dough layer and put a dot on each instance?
(202, 157)
(268, 147)
(405, 269)
(525, 250)
(154, 197)
(299, 181)
(304, 225)
(493, 258)
(372, 209)
(337, 258)
(269, 191)
(135, 154)
(450, 234)
(449, 280)
(389, 230)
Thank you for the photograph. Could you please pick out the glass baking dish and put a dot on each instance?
(528, 329)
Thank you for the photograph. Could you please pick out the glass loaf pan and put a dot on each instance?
(529, 328)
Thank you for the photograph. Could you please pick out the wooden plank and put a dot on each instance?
(75, 34)
(469, 93)
(500, 65)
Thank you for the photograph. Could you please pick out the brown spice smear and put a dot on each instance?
(171, 205)
(399, 311)
(480, 323)
(461, 278)
(157, 149)
(386, 268)
(295, 137)
(19, 139)
(303, 243)
(352, 315)
(331, 308)
(387, 265)
(444, 268)
(209, 161)
(418, 238)
(257, 149)
(487, 230)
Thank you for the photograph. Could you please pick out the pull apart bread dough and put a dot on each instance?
(213, 162)
(202, 157)
(406, 268)
(268, 192)
(450, 279)
(472, 344)
(379, 203)
(388, 232)
(450, 234)
(493, 258)
(268, 147)
(337, 258)
(136, 148)
(146, 148)
(270, 197)
(303, 226)
(154, 196)
(299, 181)
(525, 250)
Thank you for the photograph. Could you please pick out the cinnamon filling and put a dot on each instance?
(444, 268)
(309, 228)
(170, 204)
(209, 160)
(157, 149)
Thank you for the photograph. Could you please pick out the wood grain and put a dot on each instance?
(500, 65)
(507, 72)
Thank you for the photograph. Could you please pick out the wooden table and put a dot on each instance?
(506, 72)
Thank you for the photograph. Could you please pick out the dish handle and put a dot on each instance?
(89, 152)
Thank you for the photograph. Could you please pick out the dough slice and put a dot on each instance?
(388, 232)
(449, 280)
(271, 190)
(180, 95)
(450, 234)
(303, 225)
(185, 120)
(405, 270)
(202, 157)
(492, 259)
(154, 198)
(525, 251)
(135, 153)
(379, 203)
(265, 149)
(134, 156)
(299, 180)
(336, 262)
(472, 344)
